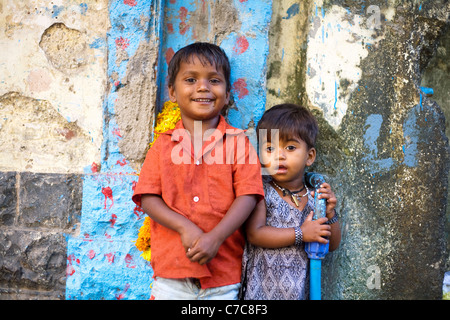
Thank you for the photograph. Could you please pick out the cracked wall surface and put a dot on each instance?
(82, 80)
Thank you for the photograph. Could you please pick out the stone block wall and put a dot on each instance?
(37, 211)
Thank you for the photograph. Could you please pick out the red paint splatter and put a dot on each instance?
(113, 220)
(242, 1)
(172, 1)
(240, 87)
(91, 254)
(129, 261)
(133, 185)
(107, 192)
(122, 43)
(169, 55)
(95, 167)
(70, 270)
(130, 3)
(121, 163)
(121, 295)
(138, 211)
(110, 256)
(183, 25)
(241, 45)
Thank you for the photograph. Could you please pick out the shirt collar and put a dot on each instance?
(222, 126)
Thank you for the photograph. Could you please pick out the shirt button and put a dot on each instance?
(196, 199)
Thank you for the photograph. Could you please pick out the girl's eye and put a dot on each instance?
(270, 149)
(290, 148)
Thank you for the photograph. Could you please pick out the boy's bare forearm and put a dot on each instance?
(239, 211)
(158, 210)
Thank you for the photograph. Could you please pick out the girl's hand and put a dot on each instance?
(315, 231)
(325, 192)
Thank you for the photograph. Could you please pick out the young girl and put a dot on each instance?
(275, 264)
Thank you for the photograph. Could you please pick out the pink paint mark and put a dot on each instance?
(110, 256)
(240, 87)
(170, 27)
(107, 192)
(183, 25)
(241, 45)
(122, 43)
(242, 1)
(169, 55)
(172, 1)
(116, 132)
(113, 220)
(121, 163)
(133, 185)
(130, 3)
(95, 167)
(129, 261)
(121, 295)
(91, 254)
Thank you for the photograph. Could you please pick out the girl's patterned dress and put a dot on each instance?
(282, 273)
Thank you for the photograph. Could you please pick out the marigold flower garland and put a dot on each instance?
(166, 120)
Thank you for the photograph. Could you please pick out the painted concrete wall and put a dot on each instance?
(81, 84)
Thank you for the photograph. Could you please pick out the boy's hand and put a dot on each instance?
(325, 192)
(204, 249)
(190, 235)
(315, 231)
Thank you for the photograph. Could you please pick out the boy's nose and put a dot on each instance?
(203, 85)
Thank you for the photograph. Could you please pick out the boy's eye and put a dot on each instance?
(190, 80)
(215, 81)
(270, 149)
(290, 148)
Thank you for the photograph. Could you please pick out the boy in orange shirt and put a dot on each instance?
(199, 183)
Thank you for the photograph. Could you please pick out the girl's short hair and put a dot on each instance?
(292, 121)
(207, 53)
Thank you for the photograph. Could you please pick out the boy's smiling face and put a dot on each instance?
(200, 90)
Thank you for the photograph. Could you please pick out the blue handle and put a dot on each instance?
(316, 251)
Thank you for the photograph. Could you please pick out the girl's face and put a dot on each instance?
(286, 161)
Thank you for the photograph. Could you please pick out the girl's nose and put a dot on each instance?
(281, 154)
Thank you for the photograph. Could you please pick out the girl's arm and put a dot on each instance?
(328, 194)
(261, 235)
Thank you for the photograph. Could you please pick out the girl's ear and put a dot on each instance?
(311, 156)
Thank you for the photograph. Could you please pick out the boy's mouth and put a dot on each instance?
(203, 100)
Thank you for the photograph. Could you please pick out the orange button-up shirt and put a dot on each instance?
(201, 188)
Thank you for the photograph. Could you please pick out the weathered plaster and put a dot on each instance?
(54, 51)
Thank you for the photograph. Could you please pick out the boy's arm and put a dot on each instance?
(158, 210)
(207, 245)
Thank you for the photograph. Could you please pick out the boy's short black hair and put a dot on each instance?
(207, 53)
(292, 121)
